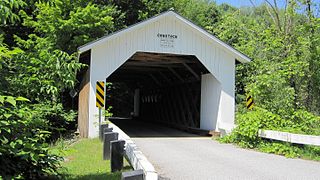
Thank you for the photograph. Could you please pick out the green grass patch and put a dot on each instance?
(83, 160)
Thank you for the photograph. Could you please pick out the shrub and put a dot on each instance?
(249, 123)
(59, 121)
(23, 147)
(305, 122)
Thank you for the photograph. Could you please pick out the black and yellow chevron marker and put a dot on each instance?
(100, 94)
(249, 102)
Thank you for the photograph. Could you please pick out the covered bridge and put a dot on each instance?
(168, 69)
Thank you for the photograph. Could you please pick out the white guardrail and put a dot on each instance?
(135, 156)
(290, 137)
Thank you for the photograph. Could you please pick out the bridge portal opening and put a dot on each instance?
(158, 87)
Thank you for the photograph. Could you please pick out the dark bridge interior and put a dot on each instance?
(169, 88)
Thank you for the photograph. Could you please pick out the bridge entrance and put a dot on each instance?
(158, 87)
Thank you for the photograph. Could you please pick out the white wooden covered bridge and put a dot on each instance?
(173, 71)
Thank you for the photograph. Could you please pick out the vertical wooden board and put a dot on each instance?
(128, 43)
(122, 48)
(179, 39)
(142, 39)
(147, 46)
(153, 32)
(196, 45)
(193, 95)
(156, 42)
(118, 51)
(170, 109)
(172, 30)
(169, 30)
(187, 101)
(188, 40)
(162, 30)
(183, 121)
(113, 59)
(175, 108)
(207, 54)
(110, 58)
(215, 62)
(83, 106)
(139, 40)
(183, 39)
(193, 43)
(218, 76)
(166, 109)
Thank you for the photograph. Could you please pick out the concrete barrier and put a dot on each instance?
(135, 156)
(290, 137)
(133, 175)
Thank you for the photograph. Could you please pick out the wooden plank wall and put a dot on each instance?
(83, 107)
(177, 106)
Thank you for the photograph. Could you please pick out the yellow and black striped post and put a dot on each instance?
(249, 102)
(100, 94)
(100, 102)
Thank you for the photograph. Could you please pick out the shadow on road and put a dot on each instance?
(135, 128)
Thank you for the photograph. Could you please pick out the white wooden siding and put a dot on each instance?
(108, 55)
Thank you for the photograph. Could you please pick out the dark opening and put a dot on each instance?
(169, 84)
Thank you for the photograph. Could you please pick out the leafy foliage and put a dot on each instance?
(38, 61)
(283, 53)
(281, 77)
(69, 25)
(7, 10)
(23, 147)
(249, 123)
(202, 12)
(46, 70)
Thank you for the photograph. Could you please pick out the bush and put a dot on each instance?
(59, 121)
(23, 136)
(249, 123)
(305, 123)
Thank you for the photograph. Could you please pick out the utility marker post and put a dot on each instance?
(100, 102)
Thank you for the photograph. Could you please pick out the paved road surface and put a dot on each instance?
(178, 155)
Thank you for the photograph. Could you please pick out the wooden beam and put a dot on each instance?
(176, 74)
(192, 71)
(140, 69)
(164, 76)
(163, 57)
(150, 64)
(155, 79)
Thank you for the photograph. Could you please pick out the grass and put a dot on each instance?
(83, 160)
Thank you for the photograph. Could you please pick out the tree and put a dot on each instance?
(7, 8)
(279, 43)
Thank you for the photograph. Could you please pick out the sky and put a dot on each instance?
(280, 3)
(239, 3)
